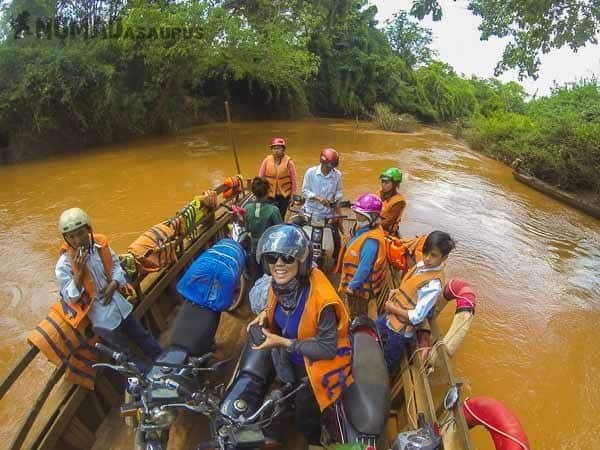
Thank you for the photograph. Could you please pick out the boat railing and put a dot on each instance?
(148, 290)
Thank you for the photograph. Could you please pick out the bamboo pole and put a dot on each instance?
(235, 152)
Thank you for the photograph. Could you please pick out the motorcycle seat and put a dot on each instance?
(367, 400)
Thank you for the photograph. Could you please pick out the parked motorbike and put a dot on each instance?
(321, 231)
(172, 383)
(235, 426)
(358, 417)
(424, 438)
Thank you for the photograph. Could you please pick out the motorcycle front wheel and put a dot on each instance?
(151, 440)
(240, 293)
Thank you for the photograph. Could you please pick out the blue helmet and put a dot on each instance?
(287, 239)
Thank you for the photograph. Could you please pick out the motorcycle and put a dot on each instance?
(424, 438)
(358, 417)
(153, 398)
(235, 426)
(322, 232)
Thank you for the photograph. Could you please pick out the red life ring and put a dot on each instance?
(504, 427)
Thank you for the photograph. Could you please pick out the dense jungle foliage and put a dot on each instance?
(83, 73)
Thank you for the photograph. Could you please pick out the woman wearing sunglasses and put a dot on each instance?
(305, 322)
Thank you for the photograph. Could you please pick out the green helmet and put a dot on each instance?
(391, 174)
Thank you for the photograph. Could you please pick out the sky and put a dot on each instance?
(457, 41)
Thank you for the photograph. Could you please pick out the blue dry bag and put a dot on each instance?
(211, 280)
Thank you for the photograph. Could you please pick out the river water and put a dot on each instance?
(534, 262)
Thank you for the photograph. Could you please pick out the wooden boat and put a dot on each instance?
(554, 192)
(66, 416)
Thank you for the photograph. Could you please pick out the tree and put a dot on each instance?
(409, 40)
(534, 26)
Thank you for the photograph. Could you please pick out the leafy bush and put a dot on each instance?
(385, 119)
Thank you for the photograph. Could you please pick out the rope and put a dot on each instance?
(490, 427)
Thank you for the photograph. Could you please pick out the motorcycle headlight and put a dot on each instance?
(162, 417)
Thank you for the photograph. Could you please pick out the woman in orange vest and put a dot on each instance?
(409, 305)
(90, 276)
(280, 170)
(362, 261)
(305, 323)
(394, 203)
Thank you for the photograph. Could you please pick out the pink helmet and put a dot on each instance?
(368, 204)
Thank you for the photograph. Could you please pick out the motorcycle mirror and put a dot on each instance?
(452, 396)
(297, 198)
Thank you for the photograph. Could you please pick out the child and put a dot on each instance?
(90, 279)
(260, 215)
(410, 304)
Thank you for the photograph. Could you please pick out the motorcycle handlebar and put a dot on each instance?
(111, 353)
(276, 397)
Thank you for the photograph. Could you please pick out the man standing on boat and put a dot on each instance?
(322, 185)
(280, 171)
(322, 189)
(90, 278)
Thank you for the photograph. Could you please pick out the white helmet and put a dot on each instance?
(73, 219)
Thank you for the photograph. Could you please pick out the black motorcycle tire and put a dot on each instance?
(151, 441)
(239, 294)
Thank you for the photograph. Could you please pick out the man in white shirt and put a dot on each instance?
(90, 276)
(322, 185)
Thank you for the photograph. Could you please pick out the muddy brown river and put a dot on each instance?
(534, 262)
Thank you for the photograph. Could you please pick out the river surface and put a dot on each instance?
(534, 262)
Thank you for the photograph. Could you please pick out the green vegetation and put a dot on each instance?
(153, 67)
(384, 118)
(557, 138)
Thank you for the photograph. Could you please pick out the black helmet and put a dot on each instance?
(289, 240)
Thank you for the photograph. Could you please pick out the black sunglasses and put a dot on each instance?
(271, 258)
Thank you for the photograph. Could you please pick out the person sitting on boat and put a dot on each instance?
(409, 305)
(322, 185)
(394, 203)
(90, 278)
(280, 171)
(305, 323)
(260, 215)
(362, 261)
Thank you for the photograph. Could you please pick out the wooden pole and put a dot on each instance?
(235, 152)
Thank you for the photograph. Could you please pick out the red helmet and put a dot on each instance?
(278, 141)
(330, 156)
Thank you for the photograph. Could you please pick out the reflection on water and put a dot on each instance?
(534, 262)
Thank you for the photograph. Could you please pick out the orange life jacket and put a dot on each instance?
(349, 260)
(63, 344)
(415, 246)
(406, 295)
(76, 312)
(155, 249)
(328, 377)
(388, 204)
(396, 253)
(280, 182)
